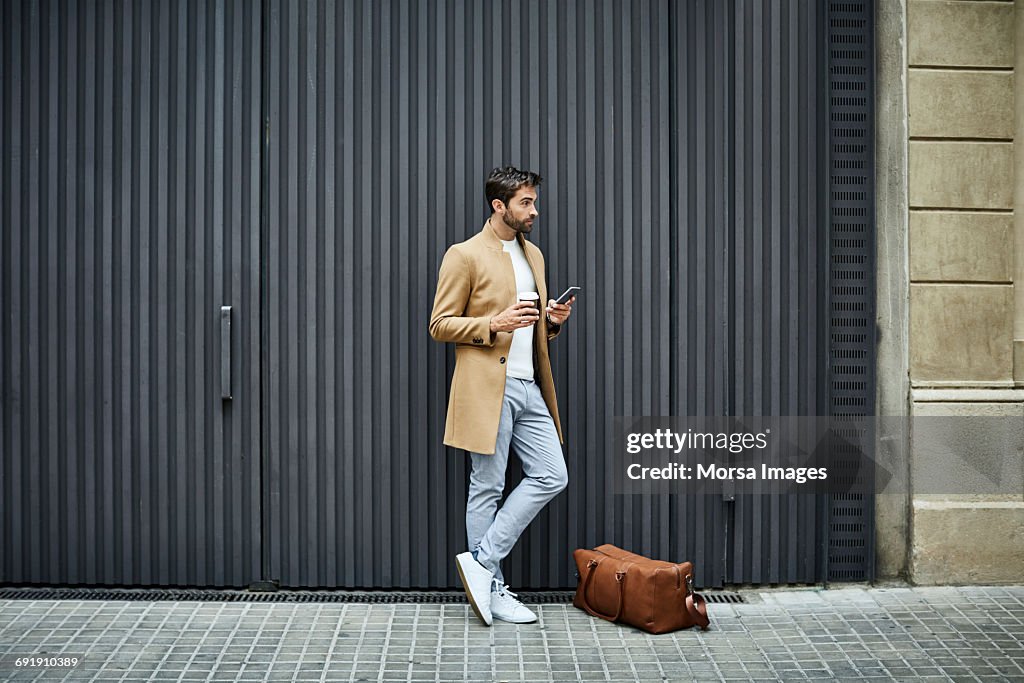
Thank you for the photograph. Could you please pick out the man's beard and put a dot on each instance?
(519, 226)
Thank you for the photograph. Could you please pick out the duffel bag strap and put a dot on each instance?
(696, 606)
(620, 578)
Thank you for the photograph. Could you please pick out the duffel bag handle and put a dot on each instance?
(620, 578)
(696, 606)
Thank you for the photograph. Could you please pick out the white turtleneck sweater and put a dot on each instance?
(520, 355)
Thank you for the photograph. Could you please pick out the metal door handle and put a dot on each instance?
(225, 352)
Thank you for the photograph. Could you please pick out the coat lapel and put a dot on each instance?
(537, 274)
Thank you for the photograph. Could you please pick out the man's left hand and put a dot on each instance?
(559, 313)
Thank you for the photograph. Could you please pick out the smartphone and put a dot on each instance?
(568, 294)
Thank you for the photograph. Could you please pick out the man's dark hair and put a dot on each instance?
(505, 182)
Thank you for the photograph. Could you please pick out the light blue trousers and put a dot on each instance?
(527, 426)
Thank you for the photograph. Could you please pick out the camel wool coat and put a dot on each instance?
(476, 281)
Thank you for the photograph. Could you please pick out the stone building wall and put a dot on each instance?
(951, 248)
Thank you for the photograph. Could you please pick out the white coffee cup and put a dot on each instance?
(532, 298)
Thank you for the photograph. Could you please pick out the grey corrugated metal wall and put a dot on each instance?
(684, 147)
(764, 338)
(130, 209)
(685, 154)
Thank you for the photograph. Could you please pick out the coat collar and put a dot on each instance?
(493, 241)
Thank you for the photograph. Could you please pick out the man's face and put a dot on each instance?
(521, 210)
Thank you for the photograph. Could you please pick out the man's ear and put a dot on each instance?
(498, 206)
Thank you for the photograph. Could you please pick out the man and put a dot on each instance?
(502, 391)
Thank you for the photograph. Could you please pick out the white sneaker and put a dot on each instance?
(476, 579)
(504, 606)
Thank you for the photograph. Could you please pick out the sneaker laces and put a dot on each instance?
(502, 589)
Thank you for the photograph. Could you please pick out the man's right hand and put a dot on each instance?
(520, 314)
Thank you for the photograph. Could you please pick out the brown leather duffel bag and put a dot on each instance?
(621, 586)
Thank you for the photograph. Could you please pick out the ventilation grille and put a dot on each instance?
(852, 267)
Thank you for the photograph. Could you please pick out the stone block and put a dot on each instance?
(967, 542)
(960, 33)
(960, 104)
(1018, 361)
(960, 246)
(969, 175)
(961, 333)
(967, 451)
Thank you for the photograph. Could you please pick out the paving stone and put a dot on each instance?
(948, 633)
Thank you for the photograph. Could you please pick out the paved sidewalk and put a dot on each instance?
(852, 634)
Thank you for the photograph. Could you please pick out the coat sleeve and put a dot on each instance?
(553, 330)
(447, 321)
